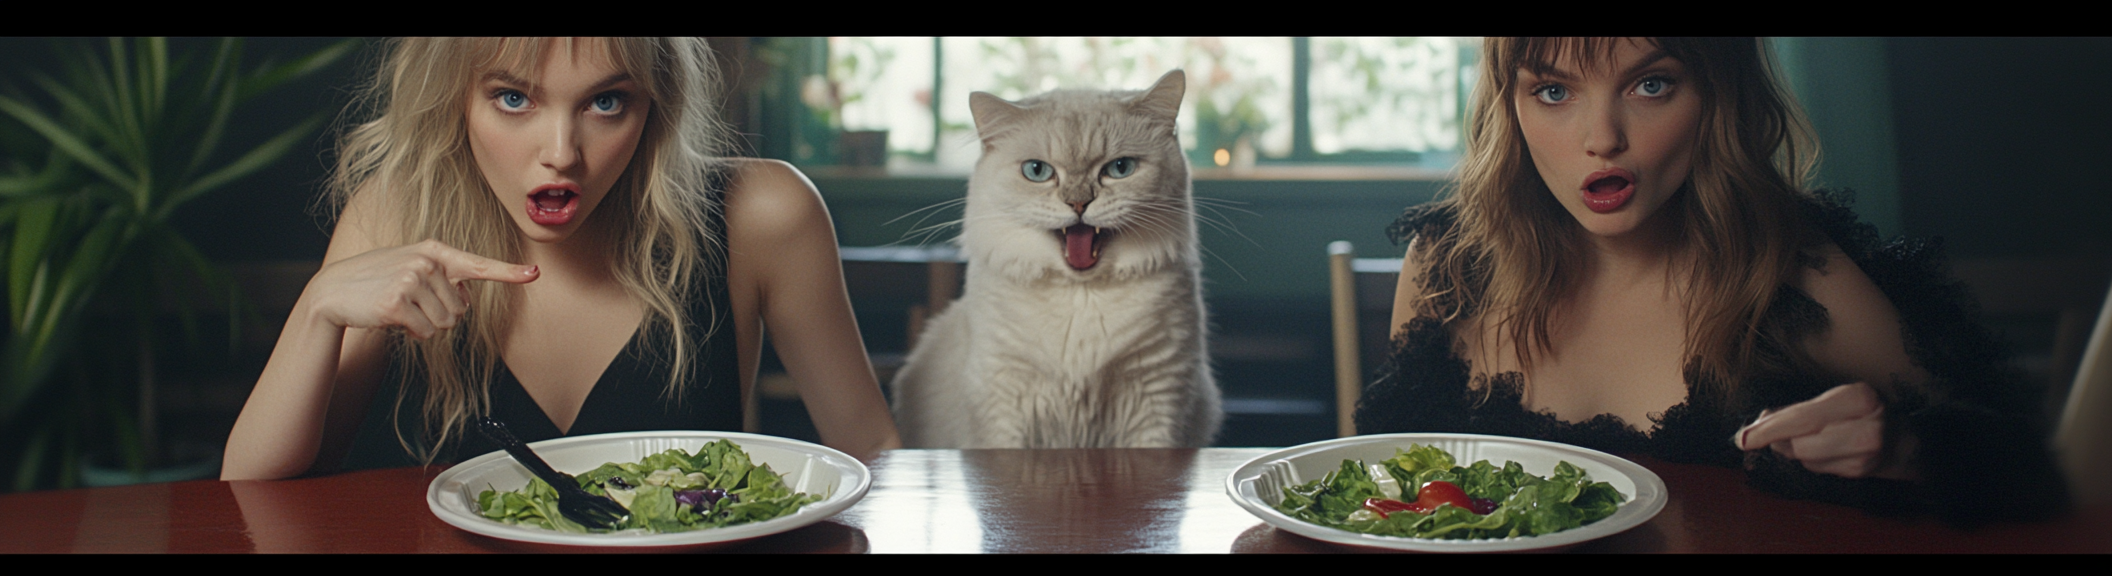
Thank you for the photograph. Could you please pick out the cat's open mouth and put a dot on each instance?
(1081, 245)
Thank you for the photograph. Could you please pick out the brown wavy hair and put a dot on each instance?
(408, 141)
(1512, 256)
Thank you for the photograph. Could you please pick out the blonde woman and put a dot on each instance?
(543, 230)
(1629, 262)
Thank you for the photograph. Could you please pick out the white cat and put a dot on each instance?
(1082, 321)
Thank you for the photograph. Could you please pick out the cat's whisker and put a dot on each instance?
(1219, 220)
(929, 232)
(933, 206)
(928, 211)
(1221, 203)
(1221, 259)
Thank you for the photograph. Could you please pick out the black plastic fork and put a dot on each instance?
(574, 502)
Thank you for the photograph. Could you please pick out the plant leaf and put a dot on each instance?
(32, 461)
(263, 155)
(66, 141)
(45, 181)
(154, 68)
(130, 143)
(33, 231)
(71, 102)
(220, 89)
(98, 250)
(271, 76)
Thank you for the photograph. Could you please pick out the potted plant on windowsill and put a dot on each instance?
(94, 167)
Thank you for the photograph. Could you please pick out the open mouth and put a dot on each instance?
(553, 206)
(1608, 190)
(1081, 245)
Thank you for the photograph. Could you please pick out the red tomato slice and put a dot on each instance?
(1440, 492)
(1384, 506)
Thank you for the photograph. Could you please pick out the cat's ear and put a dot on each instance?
(990, 112)
(1163, 100)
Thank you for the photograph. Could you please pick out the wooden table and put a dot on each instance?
(947, 501)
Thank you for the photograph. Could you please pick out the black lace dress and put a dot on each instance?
(1977, 424)
(628, 396)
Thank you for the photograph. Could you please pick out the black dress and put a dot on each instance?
(628, 397)
(1978, 423)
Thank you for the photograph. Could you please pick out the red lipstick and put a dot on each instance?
(553, 204)
(1607, 190)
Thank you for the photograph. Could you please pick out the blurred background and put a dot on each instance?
(1296, 142)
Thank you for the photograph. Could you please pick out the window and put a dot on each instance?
(1250, 100)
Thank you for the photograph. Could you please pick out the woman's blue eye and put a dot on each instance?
(1552, 93)
(512, 100)
(1652, 87)
(1120, 168)
(608, 104)
(1037, 170)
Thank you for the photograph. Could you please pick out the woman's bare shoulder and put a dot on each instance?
(773, 213)
(766, 177)
(1863, 341)
(362, 224)
(770, 195)
(1408, 289)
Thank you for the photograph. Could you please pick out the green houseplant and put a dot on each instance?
(94, 166)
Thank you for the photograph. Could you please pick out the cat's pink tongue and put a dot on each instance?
(1078, 247)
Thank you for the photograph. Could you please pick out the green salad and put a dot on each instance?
(1420, 493)
(673, 491)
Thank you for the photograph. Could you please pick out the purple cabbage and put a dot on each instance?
(701, 501)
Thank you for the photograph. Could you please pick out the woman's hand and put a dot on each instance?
(314, 391)
(1841, 432)
(417, 288)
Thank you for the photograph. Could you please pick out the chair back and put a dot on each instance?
(1361, 298)
(2045, 305)
(893, 290)
(1342, 298)
(2084, 436)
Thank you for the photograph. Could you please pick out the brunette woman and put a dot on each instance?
(1630, 262)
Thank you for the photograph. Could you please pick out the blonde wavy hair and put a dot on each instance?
(408, 141)
(1512, 256)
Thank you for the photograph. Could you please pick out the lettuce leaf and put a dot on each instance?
(1528, 505)
(756, 493)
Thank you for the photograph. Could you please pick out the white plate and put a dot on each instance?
(809, 468)
(1258, 486)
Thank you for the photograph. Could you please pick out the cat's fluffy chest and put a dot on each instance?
(1075, 332)
(1082, 365)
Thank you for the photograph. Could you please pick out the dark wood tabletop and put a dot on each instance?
(966, 501)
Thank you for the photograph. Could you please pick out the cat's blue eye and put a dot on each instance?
(1120, 168)
(512, 100)
(1037, 170)
(610, 103)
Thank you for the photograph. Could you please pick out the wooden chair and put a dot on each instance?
(919, 281)
(890, 271)
(1361, 295)
(2025, 297)
(2084, 436)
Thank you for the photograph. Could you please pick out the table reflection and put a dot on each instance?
(1052, 501)
(124, 521)
(973, 501)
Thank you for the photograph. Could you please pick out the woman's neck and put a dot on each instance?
(577, 261)
(1647, 253)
